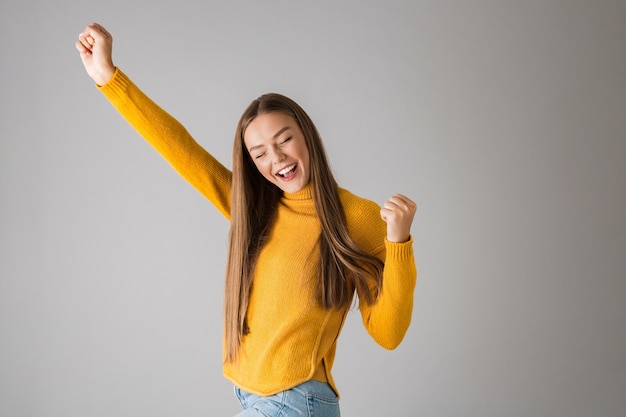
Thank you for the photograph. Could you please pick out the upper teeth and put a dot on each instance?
(286, 170)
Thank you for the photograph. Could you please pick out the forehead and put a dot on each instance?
(266, 127)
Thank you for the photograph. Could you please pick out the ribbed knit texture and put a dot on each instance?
(292, 338)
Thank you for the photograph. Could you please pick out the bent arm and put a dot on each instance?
(388, 319)
(170, 138)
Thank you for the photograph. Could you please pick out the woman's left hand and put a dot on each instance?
(398, 213)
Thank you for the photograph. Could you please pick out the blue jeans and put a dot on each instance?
(310, 399)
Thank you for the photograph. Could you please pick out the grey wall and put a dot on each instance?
(503, 119)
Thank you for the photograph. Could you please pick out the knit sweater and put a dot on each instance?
(292, 337)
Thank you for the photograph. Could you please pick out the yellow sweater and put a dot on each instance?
(292, 339)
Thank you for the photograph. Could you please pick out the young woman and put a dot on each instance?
(300, 247)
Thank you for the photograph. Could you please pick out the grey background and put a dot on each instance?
(504, 120)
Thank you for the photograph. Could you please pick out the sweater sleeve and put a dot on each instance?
(388, 319)
(170, 139)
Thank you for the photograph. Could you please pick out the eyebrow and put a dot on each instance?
(276, 135)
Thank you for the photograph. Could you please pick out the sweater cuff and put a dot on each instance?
(403, 250)
(117, 85)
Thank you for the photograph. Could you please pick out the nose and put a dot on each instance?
(277, 156)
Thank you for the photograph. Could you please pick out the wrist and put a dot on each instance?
(104, 76)
(393, 238)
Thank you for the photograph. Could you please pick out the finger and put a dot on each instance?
(390, 205)
(102, 30)
(402, 202)
(83, 39)
(387, 213)
(400, 199)
(396, 202)
(82, 49)
(96, 32)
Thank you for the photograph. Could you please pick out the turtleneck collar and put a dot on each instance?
(305, 193)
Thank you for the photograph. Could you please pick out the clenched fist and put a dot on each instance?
(95, 46)
(398, 213)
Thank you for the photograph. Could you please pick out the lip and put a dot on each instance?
(276, 173)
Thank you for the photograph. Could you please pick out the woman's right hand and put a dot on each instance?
(95, 46)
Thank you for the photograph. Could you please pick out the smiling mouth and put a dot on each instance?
(287, 172)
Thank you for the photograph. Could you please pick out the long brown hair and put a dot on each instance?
(343, 267)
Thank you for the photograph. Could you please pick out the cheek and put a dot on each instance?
(263, 169)
(306, 159)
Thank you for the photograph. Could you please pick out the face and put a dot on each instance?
(277, 147)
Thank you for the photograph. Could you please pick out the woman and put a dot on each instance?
(299, 246)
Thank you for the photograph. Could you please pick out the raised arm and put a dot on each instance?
(389, 318)
(166, 135)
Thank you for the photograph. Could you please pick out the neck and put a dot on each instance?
(304, 194)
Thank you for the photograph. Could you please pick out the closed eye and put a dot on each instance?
(286, 140)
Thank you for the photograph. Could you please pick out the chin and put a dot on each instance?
(291, 188)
